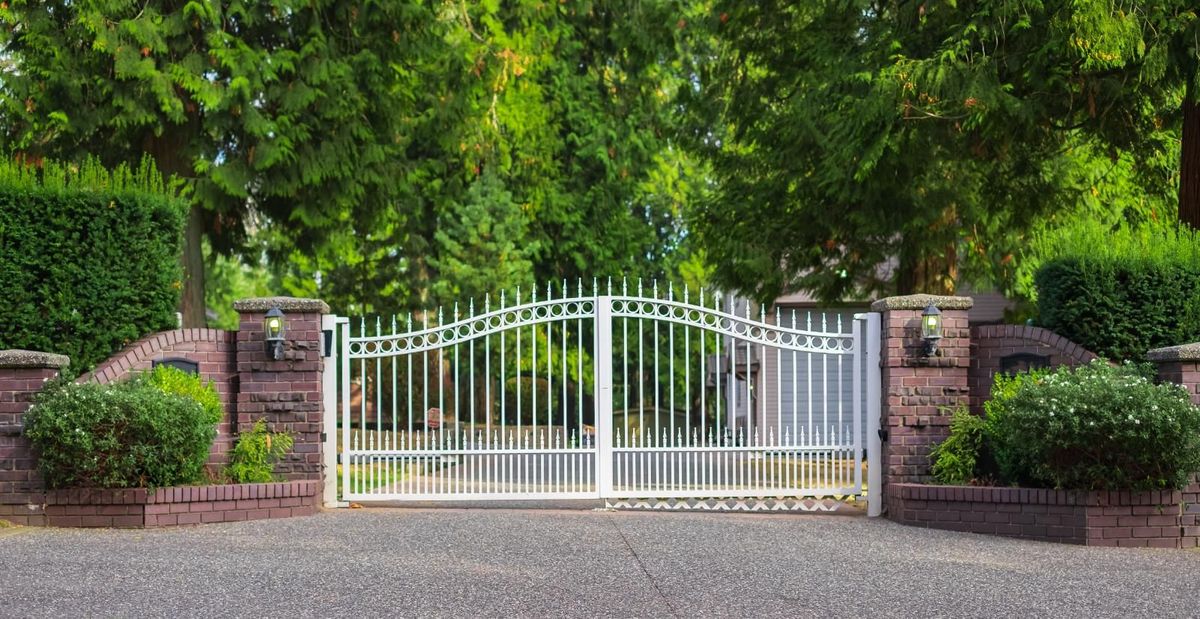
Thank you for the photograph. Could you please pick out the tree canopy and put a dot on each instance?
(867, 147)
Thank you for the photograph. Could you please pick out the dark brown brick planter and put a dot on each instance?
(1159, 519)
(164, 507)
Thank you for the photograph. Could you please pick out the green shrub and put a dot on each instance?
(175, 381)
(253, 458)
(957, 460)
(130, 434)
(1120, 293)
(1095, 427)
(89, 260)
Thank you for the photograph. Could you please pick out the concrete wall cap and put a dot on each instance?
(32, 359)
(287, 304)
(1183, 352)
(921, 301)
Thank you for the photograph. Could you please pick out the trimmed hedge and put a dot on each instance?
(1121, 293)
(89, 259)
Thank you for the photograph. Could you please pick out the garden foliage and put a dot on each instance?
(956, 459)
(89, 259)
(253, 457)
(1096, 427)
(144, 432)
(1120, 293)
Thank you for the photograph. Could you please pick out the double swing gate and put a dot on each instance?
(643, 398)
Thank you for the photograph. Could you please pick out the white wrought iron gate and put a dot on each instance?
(632, 396)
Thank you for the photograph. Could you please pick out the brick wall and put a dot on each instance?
(1159, 519)
(287, 392)
(919, 392)
(990, 344)
(215, 353)
(22, 375)
(138, 507)
(1180, 365)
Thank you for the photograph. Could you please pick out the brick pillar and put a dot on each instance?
(288, 392)
(1179, 365)
(919, 392)
(23, 373)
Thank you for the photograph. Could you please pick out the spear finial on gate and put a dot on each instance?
(670, 291)
(685, 293)
(441, 318)
(518, 299)
(639, 287)
(595, 286)
(378, 328)
(456, 311)
(393, 324)
(564, 290)
(610, 285)
(624, 286)
(533, 296)
(655, 287)
(408, 322)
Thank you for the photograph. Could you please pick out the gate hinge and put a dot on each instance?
(328, 338)
(324, 437)
(883, 434)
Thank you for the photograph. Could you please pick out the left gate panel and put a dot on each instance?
(472, 406)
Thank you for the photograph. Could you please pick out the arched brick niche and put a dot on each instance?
(1006, 348)
(214, 353)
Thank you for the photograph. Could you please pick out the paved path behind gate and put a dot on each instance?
(458, 562)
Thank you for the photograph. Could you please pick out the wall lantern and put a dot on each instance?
(273, 327)
(931, 329)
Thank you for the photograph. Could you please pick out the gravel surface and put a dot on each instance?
(499, 562)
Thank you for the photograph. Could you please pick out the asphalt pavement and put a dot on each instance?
(539, 563)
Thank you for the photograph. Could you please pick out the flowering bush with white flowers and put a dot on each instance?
(1096, 427)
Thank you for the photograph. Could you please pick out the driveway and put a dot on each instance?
(500, 562)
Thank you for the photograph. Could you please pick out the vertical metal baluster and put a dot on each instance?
(703, 373)
(778, 380)
(856, 387)
(362, 391)
(840, 391)
(503, 371)
(762, 377)
(641, 372)
(625, 355)
(824, 376)
(549, 366)
(718, 430)
(671, 364)
(533, 384)
(795, 385)
(657, 437)
(809, 370)
(563, 332)
(687, 369)
(425, 380)
(749, 388)
(375, 437)
(579, 360)
(517, 361)
(455, 442)
(394, 361)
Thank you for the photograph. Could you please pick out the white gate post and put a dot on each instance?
(874, 444)
(329, 409)
(602, 374)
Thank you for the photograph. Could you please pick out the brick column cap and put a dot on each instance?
(287, 304)
(1183, 352)
(921, 301)
(16, 358)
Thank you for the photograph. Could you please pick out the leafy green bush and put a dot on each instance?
(89, 260)
(1120, 293)
(130, 434)
(253, 458)
(957, 459)
(1095, 427)
(175, 381)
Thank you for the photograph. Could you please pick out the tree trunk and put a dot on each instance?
(1189, 161)
(169, 153)
(191, 305)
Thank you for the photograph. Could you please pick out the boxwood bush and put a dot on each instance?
(1096, 427)
(1120, 293)
(89, 260)
(144, 432)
